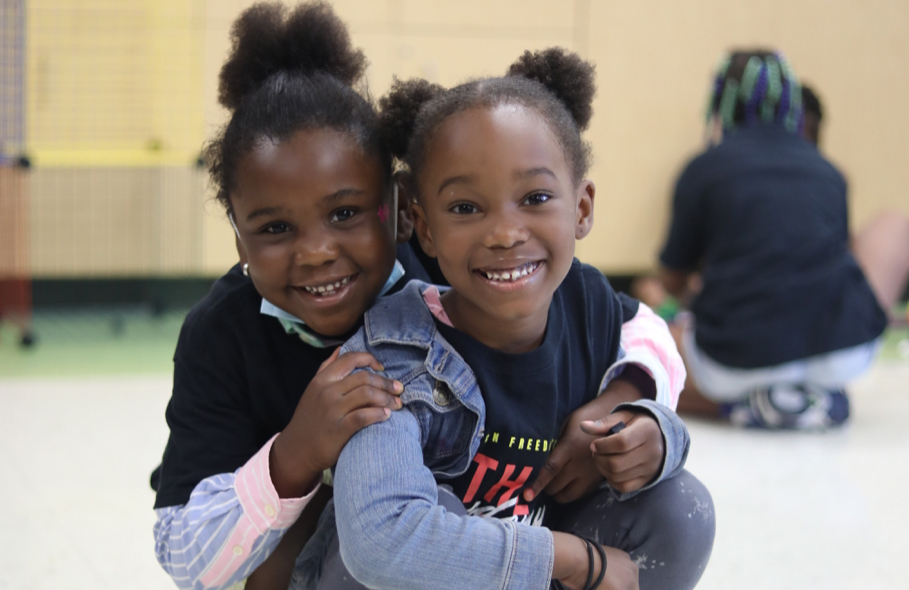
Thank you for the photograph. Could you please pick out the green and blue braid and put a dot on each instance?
(754, 88)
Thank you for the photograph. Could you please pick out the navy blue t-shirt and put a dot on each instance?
(764, 217)
(529, 395)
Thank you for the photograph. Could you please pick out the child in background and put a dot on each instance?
(785, 316)
(261, 405)
(437, 496)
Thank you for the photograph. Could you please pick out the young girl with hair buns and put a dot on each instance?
(262, 402)
(438, 496)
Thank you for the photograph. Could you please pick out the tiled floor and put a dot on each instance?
(795, 511)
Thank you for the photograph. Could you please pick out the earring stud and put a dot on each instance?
(245, 269)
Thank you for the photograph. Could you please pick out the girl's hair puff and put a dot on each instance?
(559, 85)
(289, 71)
(756, 87)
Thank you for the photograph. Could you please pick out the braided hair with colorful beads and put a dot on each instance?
(756, 87)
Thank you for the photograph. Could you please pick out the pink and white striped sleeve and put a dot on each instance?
(647, 343)
(231, 524)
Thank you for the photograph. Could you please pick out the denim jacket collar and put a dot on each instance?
(404, 319)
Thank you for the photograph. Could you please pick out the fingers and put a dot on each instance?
(603, 426)
(637, 432)
(630, 458)
(367, 379)
(368, 395)
(357, 420)
(339, 382)
(344, 366)
(551, 469)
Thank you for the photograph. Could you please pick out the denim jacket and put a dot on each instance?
(392, 530)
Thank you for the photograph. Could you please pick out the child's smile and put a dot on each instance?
(511, 277)
(499, 209)
(307, 210)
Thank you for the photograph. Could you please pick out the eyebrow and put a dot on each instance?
(463, 179)
(344, 192)
(518, 175)
(263, 212)
(541, 170)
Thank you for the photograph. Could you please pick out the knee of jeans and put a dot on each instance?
(686, 511)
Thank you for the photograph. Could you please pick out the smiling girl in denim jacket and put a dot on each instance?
(439, 495)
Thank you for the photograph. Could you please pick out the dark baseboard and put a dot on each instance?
(162, 294)
(159, 294)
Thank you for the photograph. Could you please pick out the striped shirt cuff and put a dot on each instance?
(263, 510)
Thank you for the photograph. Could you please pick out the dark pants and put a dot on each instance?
(667, 530)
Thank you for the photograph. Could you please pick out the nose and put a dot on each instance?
(315, 247)
(506, 230)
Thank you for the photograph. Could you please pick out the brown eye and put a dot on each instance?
(463, 209)
(537, 199)
(343, 214)
(276, 228)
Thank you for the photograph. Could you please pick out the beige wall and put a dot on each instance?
(653, 58)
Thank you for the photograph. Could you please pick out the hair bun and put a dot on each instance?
(399, 109)
(266, 40)
(566, 75)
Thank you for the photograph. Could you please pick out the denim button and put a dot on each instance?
(441, 395)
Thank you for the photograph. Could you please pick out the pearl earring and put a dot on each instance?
(245, 269)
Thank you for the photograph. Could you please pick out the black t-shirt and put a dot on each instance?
(529, 395)
(765, 218)
(238, 377)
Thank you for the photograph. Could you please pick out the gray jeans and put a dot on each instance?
(667, 530)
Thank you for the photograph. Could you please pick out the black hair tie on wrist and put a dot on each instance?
(587, 585)
(591, 545)
(602, 573)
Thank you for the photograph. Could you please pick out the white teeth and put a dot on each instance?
(512, 275)
(327, 289)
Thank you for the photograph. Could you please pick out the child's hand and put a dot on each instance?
(335, 405)
(630, 458)
(570, 471)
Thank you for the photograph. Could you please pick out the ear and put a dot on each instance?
(422, 229)
(586, 192)
(405, 203)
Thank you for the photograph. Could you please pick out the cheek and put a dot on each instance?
(373, 246)
(268, 257)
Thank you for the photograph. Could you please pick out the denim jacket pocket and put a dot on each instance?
(447, 425)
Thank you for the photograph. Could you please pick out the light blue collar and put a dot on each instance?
(292, 324)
